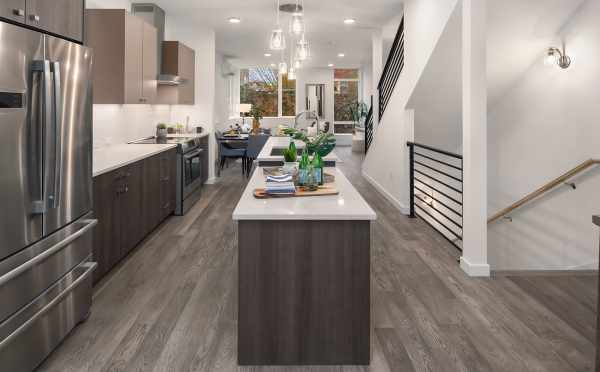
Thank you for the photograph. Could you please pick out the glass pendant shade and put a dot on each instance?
(283, 68)
(277, 40)
(297, 64)
(291, 74)
(297, 24)
(302, 50)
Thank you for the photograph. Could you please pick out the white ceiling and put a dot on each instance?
(246, 43)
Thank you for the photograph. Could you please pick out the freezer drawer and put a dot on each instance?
(30, 335)
(25, 275)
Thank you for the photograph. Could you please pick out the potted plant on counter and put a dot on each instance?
(161, 130)
(290, 155)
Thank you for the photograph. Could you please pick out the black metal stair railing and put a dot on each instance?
(369, 128)
(436, 190)
(391, 72)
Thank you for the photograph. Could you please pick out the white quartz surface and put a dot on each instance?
(284, 142)
(348, 205)
(113, 157)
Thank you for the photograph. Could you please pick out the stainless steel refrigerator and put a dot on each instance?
(45, 193)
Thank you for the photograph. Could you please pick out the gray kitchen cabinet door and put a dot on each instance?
(149, 63)
(61, 17)
(134, 35)
(13, 10)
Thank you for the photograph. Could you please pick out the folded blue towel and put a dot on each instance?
(280, 179)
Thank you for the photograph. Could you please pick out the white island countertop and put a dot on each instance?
(283, 143)
(112, 157)
(347, 205)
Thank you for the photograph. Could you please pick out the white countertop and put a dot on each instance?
(113, 157)
(348, 205)
(284, 142)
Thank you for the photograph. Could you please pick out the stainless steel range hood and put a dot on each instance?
(155, 15)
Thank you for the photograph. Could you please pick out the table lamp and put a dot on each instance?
(245, 109)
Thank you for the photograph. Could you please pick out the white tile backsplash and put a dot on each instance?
(115, 124)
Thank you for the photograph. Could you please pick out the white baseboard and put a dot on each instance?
(474, 269)
(395, 202)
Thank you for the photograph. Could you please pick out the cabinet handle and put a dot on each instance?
(34, 17)
(19, 12)
(165, 179)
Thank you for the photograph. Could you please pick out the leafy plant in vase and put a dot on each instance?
(323, 143)
(290, 155)
(256, 114)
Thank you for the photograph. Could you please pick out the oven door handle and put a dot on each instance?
(193, 154)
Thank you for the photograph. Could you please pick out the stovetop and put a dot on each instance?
(184, 144)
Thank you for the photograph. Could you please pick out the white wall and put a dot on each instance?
(386, 164)
(437, 98)
(545, 125)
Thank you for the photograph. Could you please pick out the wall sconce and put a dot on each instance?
(558, 57)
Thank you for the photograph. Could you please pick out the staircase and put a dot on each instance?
(391, 72)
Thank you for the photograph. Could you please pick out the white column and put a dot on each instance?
(474, 258)
(377, 64)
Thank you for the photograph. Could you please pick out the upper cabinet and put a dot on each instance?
(13, 10)
(125, 57)
(60, 17)
(177, 60)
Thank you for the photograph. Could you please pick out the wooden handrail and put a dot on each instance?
(547, 187)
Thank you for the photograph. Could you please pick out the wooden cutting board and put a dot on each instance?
(321, 191)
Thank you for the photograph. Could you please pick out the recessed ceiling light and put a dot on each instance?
(349, 21)
(267, 54)
(234, 20)
(273, 65)
(341, 55)
(330, 65)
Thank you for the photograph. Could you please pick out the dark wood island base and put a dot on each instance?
(304, 292)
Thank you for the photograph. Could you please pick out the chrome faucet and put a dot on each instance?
(307, 112)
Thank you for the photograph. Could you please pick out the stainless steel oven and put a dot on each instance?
(192, 171)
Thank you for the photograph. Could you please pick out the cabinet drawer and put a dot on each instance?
(25, 275)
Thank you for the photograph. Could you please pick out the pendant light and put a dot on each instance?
(297, 64)
(277, 41)
(297, 22)
(291, 75)
(302, 49)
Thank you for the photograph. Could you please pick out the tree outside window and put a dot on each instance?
(346, 85)
(288, 96)
(260, 87)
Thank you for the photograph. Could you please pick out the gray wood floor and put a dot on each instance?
(171, 305)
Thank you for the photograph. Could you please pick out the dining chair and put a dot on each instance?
(256, 142)
(228, 151)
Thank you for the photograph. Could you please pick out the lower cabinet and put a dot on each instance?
(130, 203)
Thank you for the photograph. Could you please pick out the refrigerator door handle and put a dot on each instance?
(43, 127)
(44, 255)
(57, 124)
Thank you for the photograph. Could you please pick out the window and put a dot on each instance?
(263, 87)
(259, 87)
(288, 96)
(346, 86)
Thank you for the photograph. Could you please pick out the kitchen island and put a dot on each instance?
(272, 152)
(304, 277)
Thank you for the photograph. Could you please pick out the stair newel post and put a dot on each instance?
(412, 178)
